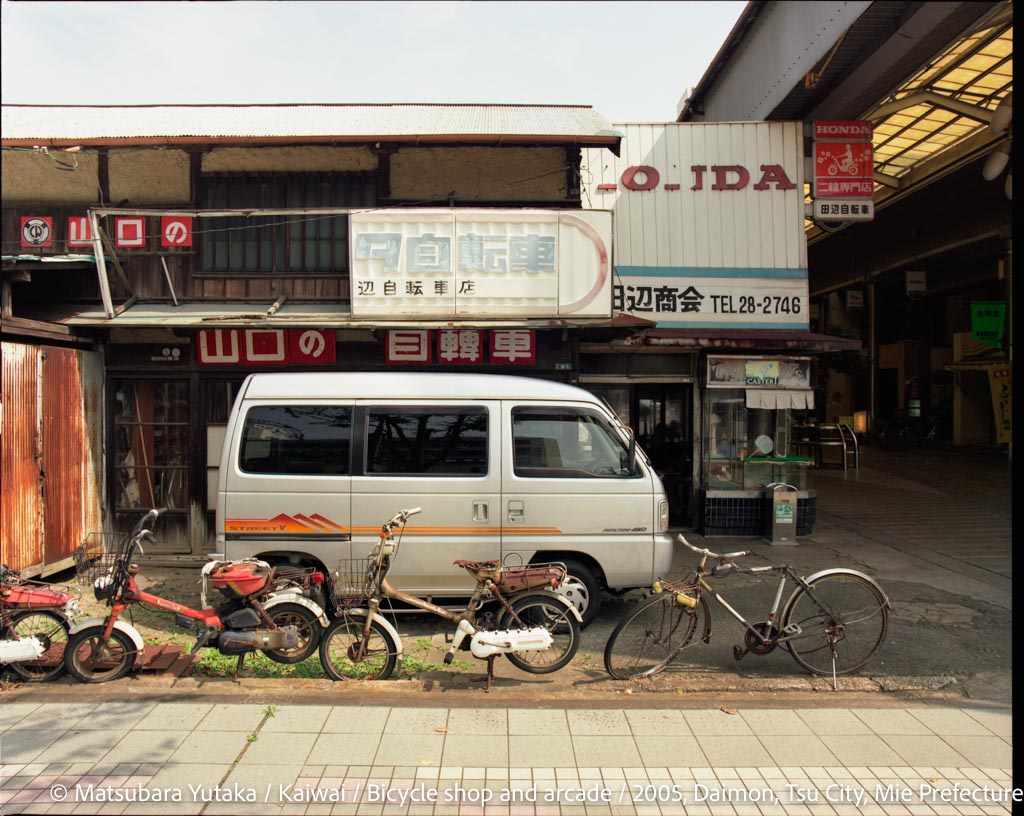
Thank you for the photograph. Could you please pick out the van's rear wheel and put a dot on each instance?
(581, 589)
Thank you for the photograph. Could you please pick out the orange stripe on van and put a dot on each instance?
(301, 523)
(283, 523)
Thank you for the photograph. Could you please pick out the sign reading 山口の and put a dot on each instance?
(467, 263)
(709, 223)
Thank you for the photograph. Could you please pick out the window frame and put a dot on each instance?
(281, 473)
(368, 412)
(599, 420)
(265, 245)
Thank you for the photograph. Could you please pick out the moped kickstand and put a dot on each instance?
(490, 674)
(238, 668)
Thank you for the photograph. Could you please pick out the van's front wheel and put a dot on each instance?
(582, 589)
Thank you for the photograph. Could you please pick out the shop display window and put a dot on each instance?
(748, 448)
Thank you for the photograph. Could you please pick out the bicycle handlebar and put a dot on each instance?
(706, 552)
(400, 518)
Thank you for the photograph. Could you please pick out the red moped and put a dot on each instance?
(264, 609)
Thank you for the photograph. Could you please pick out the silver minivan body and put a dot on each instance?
(514, 469)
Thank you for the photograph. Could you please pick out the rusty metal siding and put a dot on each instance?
(71, 399)
(50, 454)
(20, 503)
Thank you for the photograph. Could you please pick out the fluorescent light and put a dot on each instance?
(1003, 114)
(996, 162)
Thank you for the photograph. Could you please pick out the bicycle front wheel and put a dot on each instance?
(345, 657)
(843, 620)
(547, 611)
(650, 637)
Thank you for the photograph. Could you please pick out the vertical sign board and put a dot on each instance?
(709, 223)
(478, 263)
(1000, 380)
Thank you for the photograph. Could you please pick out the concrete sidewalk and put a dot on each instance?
(203, 758)
(926, 728)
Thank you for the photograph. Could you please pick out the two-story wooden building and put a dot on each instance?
(154, 256)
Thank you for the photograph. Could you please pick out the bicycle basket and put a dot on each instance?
(351, 582)
(97, 555)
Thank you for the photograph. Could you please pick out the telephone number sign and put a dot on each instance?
(714, 301)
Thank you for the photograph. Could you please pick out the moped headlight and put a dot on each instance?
(662, 516)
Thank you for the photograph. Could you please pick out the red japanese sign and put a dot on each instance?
(176, 231)
(79, 231)
(843, 169)
(310, 346)
(130, 232)
(513, 347)
(854, 131)
(408, 346)
(460, 346)
(266, 347)
(37, 231)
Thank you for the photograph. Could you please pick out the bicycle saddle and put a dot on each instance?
(482, 570)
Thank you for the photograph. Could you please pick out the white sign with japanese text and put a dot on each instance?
(682, 301)
(468, 263)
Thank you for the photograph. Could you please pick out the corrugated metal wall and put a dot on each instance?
(72, 402)
(20, 499)
(51, 454)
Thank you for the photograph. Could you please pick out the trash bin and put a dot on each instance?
(780, 522)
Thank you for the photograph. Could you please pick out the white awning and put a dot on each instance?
(798, 398)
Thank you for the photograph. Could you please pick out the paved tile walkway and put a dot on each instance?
(201, 758)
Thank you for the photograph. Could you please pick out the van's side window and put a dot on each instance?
(566, 443)
(426, 441)
(297, 439)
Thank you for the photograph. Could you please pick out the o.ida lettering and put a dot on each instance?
(720, 176)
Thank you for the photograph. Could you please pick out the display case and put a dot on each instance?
(748, 448)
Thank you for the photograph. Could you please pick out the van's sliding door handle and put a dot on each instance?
(515, 512)
(481, 513)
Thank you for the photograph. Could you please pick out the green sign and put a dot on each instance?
(987, 320)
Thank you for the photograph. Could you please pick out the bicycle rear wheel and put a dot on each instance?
(650, 637)
(544, 610)
(843, 615)
(52, 631)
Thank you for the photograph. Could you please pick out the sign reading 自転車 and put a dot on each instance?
(461, 346)
(469, 263)
(844, 209)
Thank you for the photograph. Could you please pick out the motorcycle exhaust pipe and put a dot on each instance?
(233, 642)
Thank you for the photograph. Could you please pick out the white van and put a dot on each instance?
(510, 468)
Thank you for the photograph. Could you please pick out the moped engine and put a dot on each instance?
(234, 641)
(500, 641)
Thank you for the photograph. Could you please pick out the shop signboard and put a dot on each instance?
(725, 371)
(709, 223)
(36, 231)
(438, 263)
(266, 347)
(777, 300)
(1000, 380)
(844, 209)
(461, 346)
(843, 170)
(987, 320)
